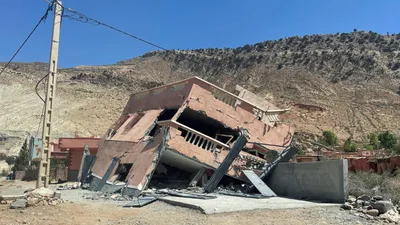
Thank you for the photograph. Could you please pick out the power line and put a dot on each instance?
(50, 7)
(85, 19)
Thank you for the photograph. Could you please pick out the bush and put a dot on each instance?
(3, 156)
(22, 161)
(387, 139)
(330, 138)
(3, 173)
(349, 145)
(386, 185)
(373, 141)
(10, 160)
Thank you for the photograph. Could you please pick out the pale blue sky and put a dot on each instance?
(182, 24)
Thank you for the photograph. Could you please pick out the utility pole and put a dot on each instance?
(44, 168)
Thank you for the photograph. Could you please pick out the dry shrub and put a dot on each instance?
(386, 185)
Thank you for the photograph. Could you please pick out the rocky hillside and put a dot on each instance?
(347, 82)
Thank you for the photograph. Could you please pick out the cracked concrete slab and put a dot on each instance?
(224, 204)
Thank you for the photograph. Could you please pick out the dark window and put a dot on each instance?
(200, 122)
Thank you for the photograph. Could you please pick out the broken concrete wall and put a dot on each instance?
(201, 99)
(206, 158)
(169, 96)
(255, 99)
(322, 181)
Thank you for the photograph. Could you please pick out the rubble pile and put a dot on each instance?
(373, 208)
(34, 197)
(107, 196)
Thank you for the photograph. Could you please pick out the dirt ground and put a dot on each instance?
(80, 210)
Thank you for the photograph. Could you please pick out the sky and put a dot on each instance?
(181, 24)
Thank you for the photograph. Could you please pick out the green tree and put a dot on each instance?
(388, 139)
(349, 145)
(373, 141)
(22, 161)
(10, 160)
(330, 138)
(396, 149)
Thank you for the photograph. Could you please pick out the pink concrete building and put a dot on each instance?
(173, 131)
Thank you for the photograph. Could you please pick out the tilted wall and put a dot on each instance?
(201, 99)
(321, 181)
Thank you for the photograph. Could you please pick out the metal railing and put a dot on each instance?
(196, 138)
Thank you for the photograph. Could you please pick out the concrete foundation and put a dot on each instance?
(324, 181)
(223, 204)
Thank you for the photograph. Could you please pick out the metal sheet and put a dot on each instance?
(187, 195)
(141, 201)
(35, 149)
(236, 194)
(258, 183)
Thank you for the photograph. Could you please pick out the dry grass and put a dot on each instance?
(386, 185)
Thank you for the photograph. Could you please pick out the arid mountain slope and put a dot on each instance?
(345, 82)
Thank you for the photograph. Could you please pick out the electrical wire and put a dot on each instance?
(74, 15)
(43, 18)
(37, 85)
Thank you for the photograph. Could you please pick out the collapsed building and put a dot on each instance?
(181, 132)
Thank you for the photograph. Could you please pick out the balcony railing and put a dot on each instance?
(197, 138)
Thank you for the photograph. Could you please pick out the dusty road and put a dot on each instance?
(79, 210)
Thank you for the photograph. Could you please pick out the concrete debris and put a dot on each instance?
(186, 194)
(34, 197)
(141, 201)
(11, 197)
(18, 204)
(41, 192)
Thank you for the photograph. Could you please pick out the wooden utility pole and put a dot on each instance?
(44, 168)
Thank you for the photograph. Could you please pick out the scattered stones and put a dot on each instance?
(347, 206)
(40, 196)
(57, 194)
(373, 212)
(351, 199)
(18, 204)
(391, 216)
(359, 203)
(32, 201)
(364, 198)
(382, 206)
(377, 198)
(366, 203)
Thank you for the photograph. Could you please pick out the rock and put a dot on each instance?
(373, 212)
(32, 201)
(377, 198)
(3, 202)
(29, 190)
(351, 199)
(42, 192)
(75, 185)
(366, 203)
(18, 204)
(347, 206)
(57, 194)
(382, 206)
(359, 203)
(114, 196)
(95, 197)
(391, 216)
(364, 198)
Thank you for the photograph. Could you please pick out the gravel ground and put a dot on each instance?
(80, 210)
